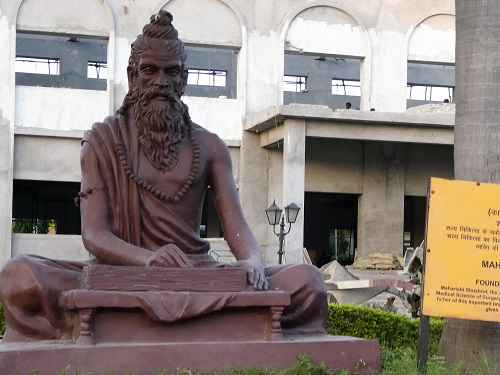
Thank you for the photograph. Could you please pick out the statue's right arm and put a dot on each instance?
(97, 228)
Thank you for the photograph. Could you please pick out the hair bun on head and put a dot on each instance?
(161, 18)
(160, 26)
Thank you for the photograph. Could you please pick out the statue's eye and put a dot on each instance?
(148, 70)
(174, 72)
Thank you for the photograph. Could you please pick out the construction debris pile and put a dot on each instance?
(381, 260)
(343, 287)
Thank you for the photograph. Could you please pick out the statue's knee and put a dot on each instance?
(17, 265)
(311, 275)
(16, 275)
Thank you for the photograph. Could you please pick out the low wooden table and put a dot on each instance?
(120, 317)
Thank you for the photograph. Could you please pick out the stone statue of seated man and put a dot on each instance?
(145, 172)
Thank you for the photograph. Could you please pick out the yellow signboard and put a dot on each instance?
(462, 260)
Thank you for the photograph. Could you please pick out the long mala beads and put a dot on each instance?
(195, 165)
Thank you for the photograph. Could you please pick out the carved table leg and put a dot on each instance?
(86, 327)
(276, 312)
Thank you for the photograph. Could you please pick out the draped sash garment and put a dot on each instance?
(139, 217)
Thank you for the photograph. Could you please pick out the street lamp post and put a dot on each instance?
(275, 217)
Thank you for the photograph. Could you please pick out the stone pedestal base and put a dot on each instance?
(337, 352)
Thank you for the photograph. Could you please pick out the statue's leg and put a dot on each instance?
(29, 289)
(308, 310)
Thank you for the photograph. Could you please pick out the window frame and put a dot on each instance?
(217, 59)
(73, 54)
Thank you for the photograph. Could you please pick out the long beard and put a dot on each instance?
(160, 126)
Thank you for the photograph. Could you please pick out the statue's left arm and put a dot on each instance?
(238, 234)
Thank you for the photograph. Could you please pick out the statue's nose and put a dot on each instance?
(162, 79)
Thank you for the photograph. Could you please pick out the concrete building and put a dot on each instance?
(271, 78)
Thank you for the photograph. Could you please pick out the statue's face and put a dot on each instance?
(157, 68)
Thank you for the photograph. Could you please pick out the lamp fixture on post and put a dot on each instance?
(275, 216)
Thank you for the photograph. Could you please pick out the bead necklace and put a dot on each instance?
(157, 193)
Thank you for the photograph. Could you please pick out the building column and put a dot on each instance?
(294, 161)
(7, 86)
(387, 73)
(381, 206)
(253, 186)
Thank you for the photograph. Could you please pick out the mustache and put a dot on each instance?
(154, 91)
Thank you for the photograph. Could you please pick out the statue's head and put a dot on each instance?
(158, 41)
(157, 78)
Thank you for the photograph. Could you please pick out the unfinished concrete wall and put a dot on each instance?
(38, 157)
(433, 40)
(381, 206)
(334, 166)
(422, 163)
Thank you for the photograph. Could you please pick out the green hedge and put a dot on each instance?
(393, 331)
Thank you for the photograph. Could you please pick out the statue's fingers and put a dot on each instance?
(251, 276)
(263, 284)
(261, 281)
(165, 259)
(180, 258)
(185, 260)
(181, 261)
(156, 260)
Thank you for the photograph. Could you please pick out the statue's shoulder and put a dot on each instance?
(207, 137)
(108, 122)
(104, 128)
(212, 146)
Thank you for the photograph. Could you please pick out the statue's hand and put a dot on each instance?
(169, 256)
(255, 273)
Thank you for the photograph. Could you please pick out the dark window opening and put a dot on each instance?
(48, 207)
(330, 227)
(414, 221)
(345, 87)
(341, 245)
(201, 77)
(331, 80)
(37, 66)
(294, 83)
(97, 70)
(429, 93)
(429, 83)
(51, 60)
(210, 226)
(45, 207)
(212, 72)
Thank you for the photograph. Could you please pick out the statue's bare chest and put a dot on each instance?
(185, 175)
